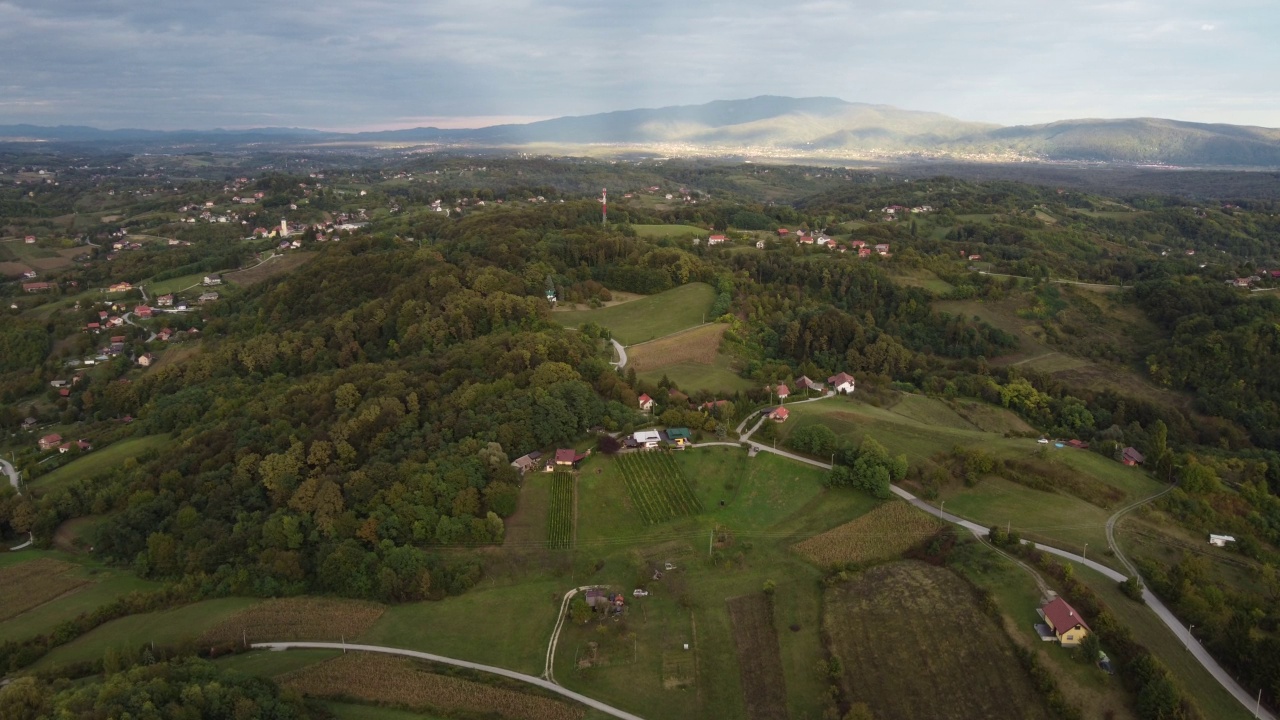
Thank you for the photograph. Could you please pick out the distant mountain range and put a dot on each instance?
(782, 126)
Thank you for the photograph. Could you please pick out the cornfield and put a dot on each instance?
(34, 583)
(700, 346)
(301, 618)
(379, 678)
(657, 487)
(560, 519)
(885, 532)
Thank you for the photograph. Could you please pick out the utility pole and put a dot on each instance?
(1258, 708)
(1187, 644)
(1086, 551)
(711, 542)
(942, 509)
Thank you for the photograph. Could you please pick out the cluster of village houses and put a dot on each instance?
(803, 237)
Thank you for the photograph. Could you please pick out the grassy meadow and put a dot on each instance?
(674, 232)
(650, 317)
(98, 461)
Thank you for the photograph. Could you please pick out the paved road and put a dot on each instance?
(128, 318)
(622, 354)
(7, 469)
(13, 474)
(544, 684)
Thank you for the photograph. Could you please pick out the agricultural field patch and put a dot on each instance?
(375, 677)
(913, 643)
(33, 583)
(669, 231)
(718, 377)
(699, 346)
(174, 284)
(98, 462)
(921, 278)
(278, 265)
(649, 318)
(886, 532)
(657, 486)
(560, 520)
(13, 269)
(992, 419)
(756, 640)
(296, 618)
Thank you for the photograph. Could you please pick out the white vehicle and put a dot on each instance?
(1043, 441)
(638, 592)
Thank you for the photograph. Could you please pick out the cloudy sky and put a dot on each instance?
(372, 64)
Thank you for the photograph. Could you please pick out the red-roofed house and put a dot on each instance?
(882, 248)
(142, 311)
(568, 456)
(36, 287)
(859, 243)
(715, 240)
(165, 301)
(146, 360)
(842, 383)
(93, 327)
(1065, 622)
(864, 252)
(1130, 456)
(783, 392)
(780, 414)
(49, 442)
(646, 402)
(783, 232)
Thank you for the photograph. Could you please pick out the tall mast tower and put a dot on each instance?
(604, 206)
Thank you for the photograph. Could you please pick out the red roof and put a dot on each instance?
(1062, 616)
(566, 456)
(53, 439)
(645, 399)
(780, 414)
(783, 391)
(840, 379)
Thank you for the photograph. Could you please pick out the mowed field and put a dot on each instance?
(276, 266)
(669, 231)
(374, 677)
(913, 644)
(691, 359)
(888, 531)
(921, 427)
(650, 317)
(34, 583)
(98, 462)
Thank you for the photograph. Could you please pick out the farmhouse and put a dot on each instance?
(646, 402)
(165, 301)
(783, 392)
(1067, 625)
(1130, 456)
(29, 423)
(37, 287)
(647, 438)
(49, 442)
(208, 297)
(568, 457)
(882, 248)
(715, 240)
(842, 383)
(804, 383)
(1220, 540)
(779, 413)
(783, 232)
(212, 280)
(146, 360)
(120, 287)
(30, 240)
(142, 311)
(1078, 444)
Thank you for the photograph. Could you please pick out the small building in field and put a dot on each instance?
(146, 360)
(646, 402)
(647, 439)
(210, 280)
(679, 436)
(779, 414)
(1130, 456)
(29, 423)
(568, 457)
(1067, 625)
(783, 392)
(842, 383)
(804, 383)
(1220, 540)
(716, 240)
(49, 442)
(1078, 444)
(525, 463)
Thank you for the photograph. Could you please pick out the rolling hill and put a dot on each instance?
(797, 127)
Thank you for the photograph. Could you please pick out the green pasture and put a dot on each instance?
(649, 317)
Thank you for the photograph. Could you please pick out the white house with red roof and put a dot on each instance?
(779, 414)
(783, 392)
(49, 442)
(646, 402)
(715, 240)
(842, 383)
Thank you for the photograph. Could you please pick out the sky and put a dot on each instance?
(382, 64)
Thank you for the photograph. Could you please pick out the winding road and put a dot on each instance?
(539, 682)
(1157, 606)
(622, 354)
(14, 476)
